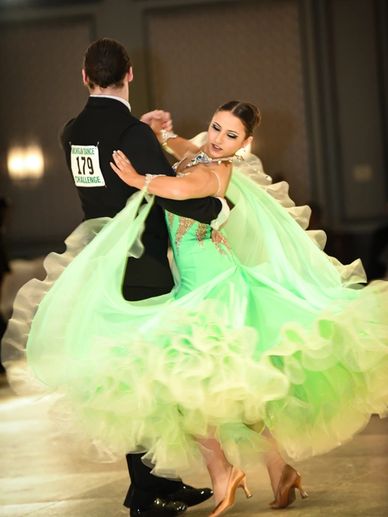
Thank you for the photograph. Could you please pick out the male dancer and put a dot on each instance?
(106, 124)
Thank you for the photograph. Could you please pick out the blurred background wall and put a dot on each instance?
(316, 68)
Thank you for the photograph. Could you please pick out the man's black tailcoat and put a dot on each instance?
(108, 124)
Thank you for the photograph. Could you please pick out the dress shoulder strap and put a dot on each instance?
(218, 182)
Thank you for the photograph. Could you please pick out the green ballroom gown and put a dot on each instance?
(262, 329)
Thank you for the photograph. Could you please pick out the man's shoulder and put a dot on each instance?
(63, 134)
(106, 109)
(68, 125)
(105, 122)
(137, 129)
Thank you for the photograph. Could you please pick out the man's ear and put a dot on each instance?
(130, 75)
(84, 77)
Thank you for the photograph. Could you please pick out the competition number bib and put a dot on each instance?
(85, 166)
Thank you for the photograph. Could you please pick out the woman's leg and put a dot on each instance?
(272, 457)
(225, 478)
(219, 467)
(284, 478)
(273, 460)
(217, 464)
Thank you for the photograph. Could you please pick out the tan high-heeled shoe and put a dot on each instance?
(285, 493)
(237, 479)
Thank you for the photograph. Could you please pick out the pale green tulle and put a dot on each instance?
(267, 333)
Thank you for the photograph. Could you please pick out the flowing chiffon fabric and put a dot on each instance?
(262, 327)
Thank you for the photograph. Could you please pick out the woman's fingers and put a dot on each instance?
(122, 161)
(116, 169)
(120, 167)
(123, 168)
(121, 155)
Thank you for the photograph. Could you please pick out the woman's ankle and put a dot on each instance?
(220, 480)
(217, 464)
(275, 466)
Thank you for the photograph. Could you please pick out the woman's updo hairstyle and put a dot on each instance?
(246, 112)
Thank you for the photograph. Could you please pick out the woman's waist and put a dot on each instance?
(203, 260)
(211, 275)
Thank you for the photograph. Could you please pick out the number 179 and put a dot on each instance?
(85, 165)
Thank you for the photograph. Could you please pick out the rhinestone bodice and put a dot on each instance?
(200, 252)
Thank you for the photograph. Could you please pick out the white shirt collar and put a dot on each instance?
(126, 103)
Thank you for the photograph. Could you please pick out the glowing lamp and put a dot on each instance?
(25, 162)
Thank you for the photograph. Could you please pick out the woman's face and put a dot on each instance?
(225, 135)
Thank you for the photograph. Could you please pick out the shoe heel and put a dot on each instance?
(244, 486)
(298, 486)
(303, 494)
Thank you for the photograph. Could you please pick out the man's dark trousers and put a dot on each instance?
(145, 486)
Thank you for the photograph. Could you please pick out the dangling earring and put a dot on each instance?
(241, 153)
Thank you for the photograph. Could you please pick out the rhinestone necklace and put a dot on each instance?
(202, 157)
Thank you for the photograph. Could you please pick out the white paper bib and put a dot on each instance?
(85, 166)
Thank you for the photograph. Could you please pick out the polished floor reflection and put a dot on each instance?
(41, 477)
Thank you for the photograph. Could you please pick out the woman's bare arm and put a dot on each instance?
(205, 181)
(178, 146)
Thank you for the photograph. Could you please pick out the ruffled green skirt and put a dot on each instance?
(239, 351)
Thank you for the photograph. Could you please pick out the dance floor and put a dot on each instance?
(42, 476)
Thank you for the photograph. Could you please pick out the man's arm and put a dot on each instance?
(143, 150)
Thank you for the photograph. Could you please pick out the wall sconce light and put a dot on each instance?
(25, 163)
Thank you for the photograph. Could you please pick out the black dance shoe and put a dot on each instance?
(190, 495)
(160, 508)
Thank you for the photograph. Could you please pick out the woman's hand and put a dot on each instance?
(123, 168)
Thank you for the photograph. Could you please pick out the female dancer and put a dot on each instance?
(230, 131)
(203, 172)
(261, 331)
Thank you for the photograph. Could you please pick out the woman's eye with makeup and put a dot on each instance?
(232, 135)
(214, 126)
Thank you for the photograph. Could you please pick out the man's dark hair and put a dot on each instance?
(106, 63)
